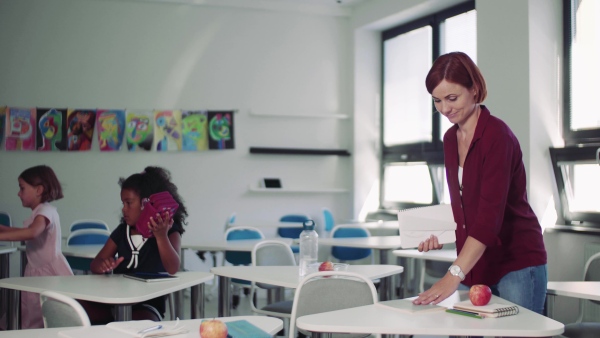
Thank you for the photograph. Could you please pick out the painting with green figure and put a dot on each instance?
(194, 130)
(111, 128)
(220, 130)
(139, 130)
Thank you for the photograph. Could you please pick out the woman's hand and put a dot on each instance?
(109, 264)
(160, 224)
(430, 244)
(439, 291)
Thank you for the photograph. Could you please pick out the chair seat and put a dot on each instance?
(582, 330)
(280, 307)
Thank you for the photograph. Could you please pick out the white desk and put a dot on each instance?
(223, 245)
(284, 276)
(581, 290)
(379, 228)
(268, 324)
(108, 289)
(383, 244)
(378, 320)
(432, 255)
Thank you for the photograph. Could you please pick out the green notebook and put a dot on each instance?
(244, 329)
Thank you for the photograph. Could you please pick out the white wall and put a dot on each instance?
(124, 54)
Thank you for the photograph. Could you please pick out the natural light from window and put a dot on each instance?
(407, 183)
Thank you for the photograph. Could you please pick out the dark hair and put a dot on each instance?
(151, 181)
(457, 67)
(43, 175)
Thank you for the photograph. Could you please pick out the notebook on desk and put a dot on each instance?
(150, 277)
(418, 224)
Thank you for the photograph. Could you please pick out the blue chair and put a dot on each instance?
(240, 257)
(344, 254)
(292, 232)
(328, 222)
(6, 220)
(89, 224)
(85, 237)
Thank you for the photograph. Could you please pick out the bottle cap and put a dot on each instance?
(308, 225)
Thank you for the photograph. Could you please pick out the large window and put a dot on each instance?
(412, 152)
(576, 166)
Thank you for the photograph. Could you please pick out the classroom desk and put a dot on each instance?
(379, 228)
(581, 290)
(284, 276)
(382, 244)
(108, 289)
(378, 320)
(433, 255)
(270, 325)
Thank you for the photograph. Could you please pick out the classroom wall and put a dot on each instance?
(144, 55)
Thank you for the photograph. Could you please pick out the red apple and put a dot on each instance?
(213, 328)
(480, 294)
(326, 266)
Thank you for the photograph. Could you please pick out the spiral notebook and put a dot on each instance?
(493, 310)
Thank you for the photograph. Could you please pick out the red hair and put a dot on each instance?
(457, 67)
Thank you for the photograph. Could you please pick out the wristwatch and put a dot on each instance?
(456, 271)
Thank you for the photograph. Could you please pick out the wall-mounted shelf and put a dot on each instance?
(312, 116)
(298, 151)
(303, 191)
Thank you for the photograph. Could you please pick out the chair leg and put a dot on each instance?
(171, 301)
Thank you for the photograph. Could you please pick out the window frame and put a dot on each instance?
(431, 153)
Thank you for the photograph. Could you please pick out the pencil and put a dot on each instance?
(464, 313)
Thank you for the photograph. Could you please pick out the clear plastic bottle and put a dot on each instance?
(309, 246)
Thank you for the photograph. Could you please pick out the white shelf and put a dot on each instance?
(312, 116)
(303, 191)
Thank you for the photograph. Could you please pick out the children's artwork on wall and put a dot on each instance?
(194, 130)
(20, 129)
(220, 130)
(52, 129)
(81, 129)
(110, 125)
(168, 130)
(2, 125)
(139, 130)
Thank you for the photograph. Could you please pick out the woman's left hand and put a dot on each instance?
(439, 291)
(160, 224)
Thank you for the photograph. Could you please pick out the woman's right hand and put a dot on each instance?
(109, 264)
(430, 244)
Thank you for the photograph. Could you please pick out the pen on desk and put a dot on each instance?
(152, 328)
(464, 313)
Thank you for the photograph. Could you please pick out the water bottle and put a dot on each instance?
(308, 246)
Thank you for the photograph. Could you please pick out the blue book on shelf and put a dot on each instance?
(244, 329)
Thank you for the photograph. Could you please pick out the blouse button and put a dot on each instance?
(464, 226)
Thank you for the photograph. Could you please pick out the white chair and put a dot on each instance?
(586, 326)
(89, 224)
(59, 310)
(328, 291)
(272, 253)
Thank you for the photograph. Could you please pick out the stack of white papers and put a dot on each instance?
(418, 224)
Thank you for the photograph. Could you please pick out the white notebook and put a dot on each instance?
(418, 224)
(407, 306)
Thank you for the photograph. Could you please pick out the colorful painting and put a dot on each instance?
(20, 129)
(110, 125)
(2, 125)
(168, 130)
(194, 130)
(220, 130)
(139, 130)
(52, 129)
(81, 129)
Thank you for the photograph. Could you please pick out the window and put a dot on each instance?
(576, 167)
(412, 172)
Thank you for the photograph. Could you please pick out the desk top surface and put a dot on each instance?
(7, 249)
(433, 255)
(267, 324)
(379, 320)
(287, 276)
(235, 245)
(108, 289)
(373, 242)
(583, 290)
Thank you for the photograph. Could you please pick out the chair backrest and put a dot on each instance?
(328, 222)
(591, 273)
(230, 220)
(328, 291)
(239, 233)
(5, 219)
(59, 310)
(291, 232)
(89, 224)
(88, 237)
(346, 253)
(271, 253)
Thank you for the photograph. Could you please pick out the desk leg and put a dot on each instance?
(386, 283)
(197, 301)
(178, 303)
(13, 315)
(224, 297)
(550, 305)
(23, 262)
(123, 312)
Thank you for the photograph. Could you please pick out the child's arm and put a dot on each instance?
(24, 234)
(168, 244)
(105, 259)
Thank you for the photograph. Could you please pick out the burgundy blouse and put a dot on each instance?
(493, 208)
